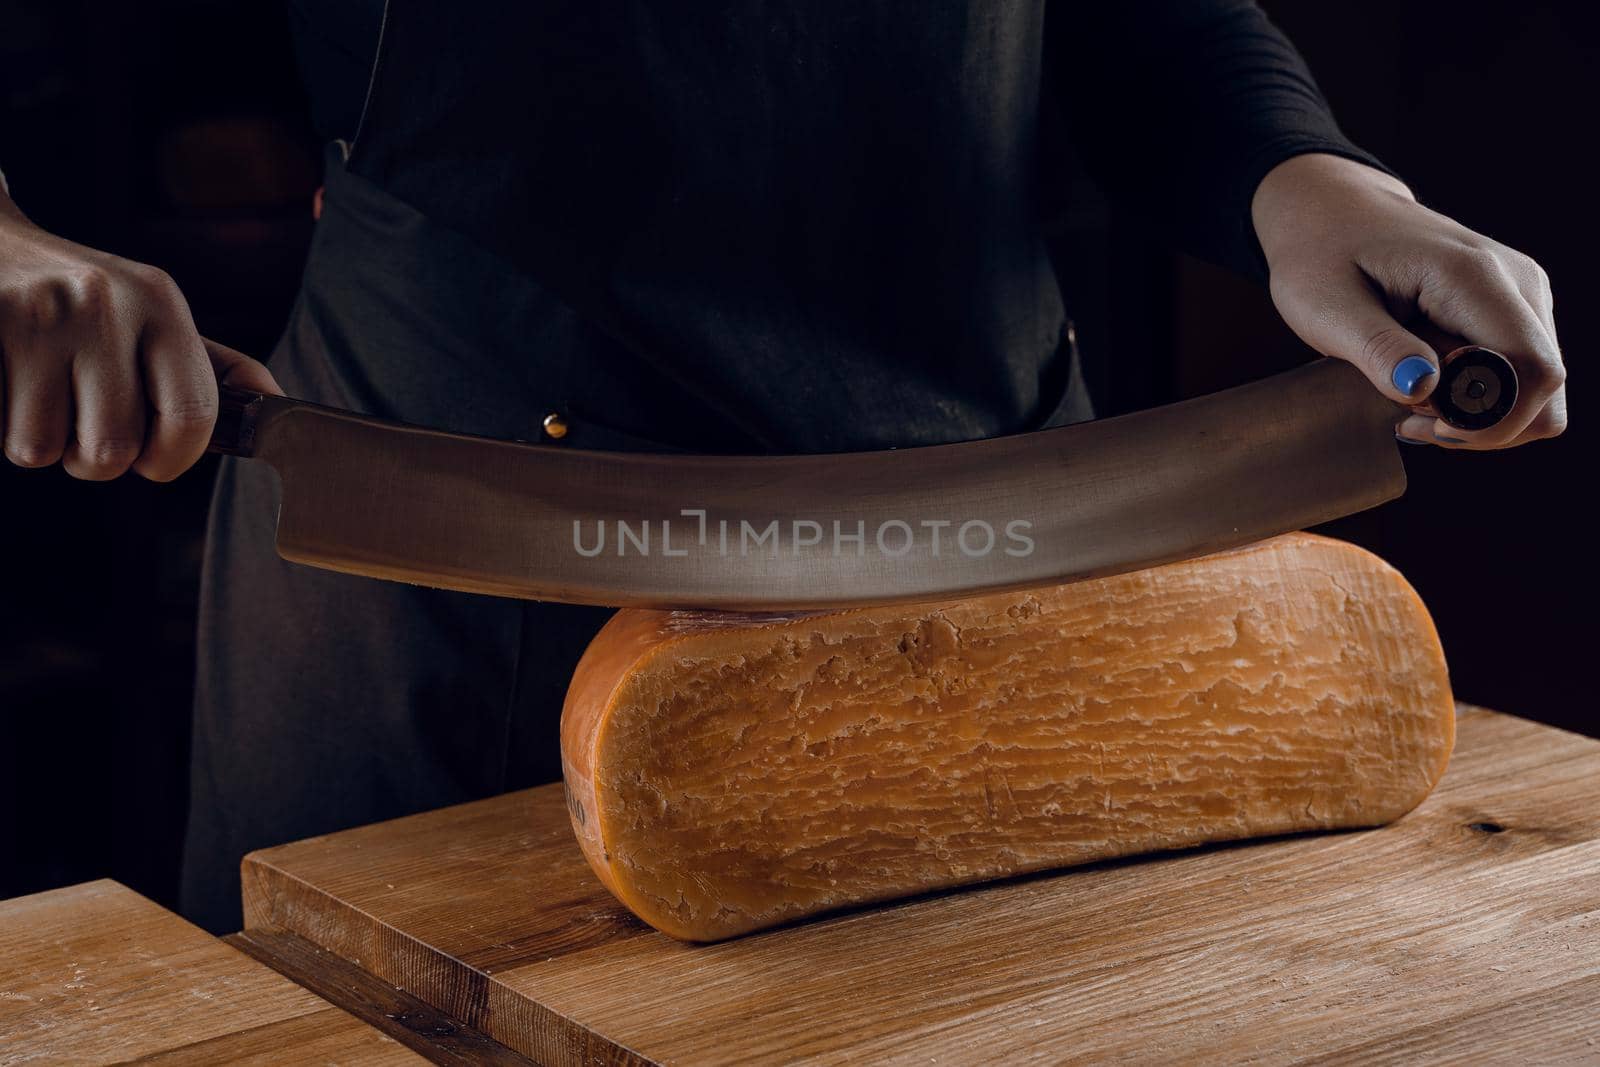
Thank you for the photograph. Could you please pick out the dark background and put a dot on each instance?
(176, 133)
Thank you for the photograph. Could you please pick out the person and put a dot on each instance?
(779, 228)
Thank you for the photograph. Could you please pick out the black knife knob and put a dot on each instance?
(1477, 388)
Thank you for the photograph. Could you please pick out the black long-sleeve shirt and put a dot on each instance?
(1179, 107)
(793, 207)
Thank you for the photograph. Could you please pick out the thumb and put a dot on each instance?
(234, 368)
(1349, 320)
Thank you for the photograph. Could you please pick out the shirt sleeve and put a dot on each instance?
(1181, 107)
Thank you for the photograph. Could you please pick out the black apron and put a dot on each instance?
(734, 227)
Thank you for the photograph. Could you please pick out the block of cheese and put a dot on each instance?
(729, 772)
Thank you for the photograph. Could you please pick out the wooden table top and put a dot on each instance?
(1470, 929)
(95, 973)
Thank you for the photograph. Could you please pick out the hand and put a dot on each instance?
(103, 368)
(1353, 256)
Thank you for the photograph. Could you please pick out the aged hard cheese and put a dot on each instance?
(729, 772)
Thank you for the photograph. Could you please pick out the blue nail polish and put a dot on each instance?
(1451, 440)
(1408, 440)
(1409, 372)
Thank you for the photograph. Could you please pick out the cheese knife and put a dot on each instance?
(773, 533)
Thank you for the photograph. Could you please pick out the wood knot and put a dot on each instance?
(1486, 827)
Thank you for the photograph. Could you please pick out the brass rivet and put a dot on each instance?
(555, 427)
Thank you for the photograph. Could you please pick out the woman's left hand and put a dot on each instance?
(1353, 256)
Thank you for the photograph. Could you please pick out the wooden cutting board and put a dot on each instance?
(1469, 929)
(98, 974)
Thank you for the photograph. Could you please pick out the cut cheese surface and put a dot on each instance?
(731, 772)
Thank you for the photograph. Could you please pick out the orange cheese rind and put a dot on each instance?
(727, 773)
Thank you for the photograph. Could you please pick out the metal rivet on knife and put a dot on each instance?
(555, 427)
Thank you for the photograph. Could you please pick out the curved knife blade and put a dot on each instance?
(544, 522)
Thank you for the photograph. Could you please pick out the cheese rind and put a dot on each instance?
(731, 772)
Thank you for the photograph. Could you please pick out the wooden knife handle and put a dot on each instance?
(1477, 388)
(234, 433)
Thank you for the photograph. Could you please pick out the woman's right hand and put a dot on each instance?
(103, 367)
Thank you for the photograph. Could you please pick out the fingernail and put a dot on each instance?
(1451, 440)
(1409, 372)
(1403, 439)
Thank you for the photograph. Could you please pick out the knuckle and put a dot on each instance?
(156, 283)
(46, 304)
(1381, 347)
(1527, 271)
(1541, 282)
(108, 453)
(1542, 376)
(42, 306)
(192, 416)
(1552, 375)
(1475, 263)
(14, 296)
(89, 287)
(30, 451)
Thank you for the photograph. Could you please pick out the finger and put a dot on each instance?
(1551, 422)
(1427, 430)
(108, 411)
(1544, 307)
(38, 409)
(1347, 318)
(1534, 285)
(181, 394)
(1536, 290)
(1478, 300)
(234, 368)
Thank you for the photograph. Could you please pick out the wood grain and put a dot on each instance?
(1470, 926)
(96, 973)
(408, 1020)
